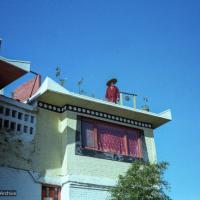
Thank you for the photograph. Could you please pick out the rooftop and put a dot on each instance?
(53, 93)
(15, 69)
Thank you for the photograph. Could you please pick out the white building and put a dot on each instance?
(74, 146)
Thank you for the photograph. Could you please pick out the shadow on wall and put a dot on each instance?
(47, 154)
(15, 152)
(50, 155)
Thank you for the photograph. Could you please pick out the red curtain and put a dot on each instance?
(134, 143)
(89, 135)
(111, 138)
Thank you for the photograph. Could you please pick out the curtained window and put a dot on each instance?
(108, 137)
(50, 192)
(90, 136)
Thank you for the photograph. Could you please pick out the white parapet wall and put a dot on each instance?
(21, 181)
(87, 188)
(87, 193)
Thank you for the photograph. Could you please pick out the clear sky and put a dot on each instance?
(152, 47)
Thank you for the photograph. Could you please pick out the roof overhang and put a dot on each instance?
(52, 93)
(10, 70)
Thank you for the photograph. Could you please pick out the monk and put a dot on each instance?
(112, 92)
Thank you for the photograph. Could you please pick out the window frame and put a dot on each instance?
(50, 187)
(2, 109)
(7, 111)
(110, 124)
(20, 116)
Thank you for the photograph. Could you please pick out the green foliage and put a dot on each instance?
(142, 181)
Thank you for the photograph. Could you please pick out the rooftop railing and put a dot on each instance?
(126, 96)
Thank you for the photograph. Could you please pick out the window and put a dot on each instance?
(90, 135)
(31, 130)
(32, 119)
(1, 123)
(7, 111)
(12, 126)
(25, 129)
(51, 192)
(14, 113)
(108, 137)
(19, 126)
(6, 123)
(1, 109)
(26, 117)
(20, 115)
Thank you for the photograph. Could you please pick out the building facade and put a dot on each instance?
(66, 146)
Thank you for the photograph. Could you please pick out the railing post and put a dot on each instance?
(134, 101)
(121, 99)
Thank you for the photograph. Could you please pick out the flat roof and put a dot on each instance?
(53, 93)
(10, 70)
(10, 101)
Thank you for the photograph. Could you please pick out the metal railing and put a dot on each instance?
(127, 96)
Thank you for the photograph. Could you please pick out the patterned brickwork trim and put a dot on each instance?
(95, 113)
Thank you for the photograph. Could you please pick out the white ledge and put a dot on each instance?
(53, 93)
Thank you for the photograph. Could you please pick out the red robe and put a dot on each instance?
(112, 94)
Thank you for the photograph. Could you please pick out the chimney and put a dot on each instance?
(27, 89)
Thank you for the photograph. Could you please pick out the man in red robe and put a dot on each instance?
(112, 92)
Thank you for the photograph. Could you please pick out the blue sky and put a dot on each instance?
(152, 47)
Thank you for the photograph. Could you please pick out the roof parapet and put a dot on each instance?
(53, 93)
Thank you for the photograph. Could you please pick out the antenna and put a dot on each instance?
(62, 82)
(145, 107)
(145, 100)
(83, 92)
(80, 91)
(58, 75)
(58, 71)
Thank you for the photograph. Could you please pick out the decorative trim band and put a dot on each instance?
(95, 113)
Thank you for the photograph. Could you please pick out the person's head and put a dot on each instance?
(111, 82)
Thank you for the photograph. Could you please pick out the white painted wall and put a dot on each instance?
(74, 187)
(65, 192)
(84, 191)
(89, 193)
(150, 144)
(22, 182)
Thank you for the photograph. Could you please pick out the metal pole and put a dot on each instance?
(121, 99)
(134, 101)
(130, 94)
